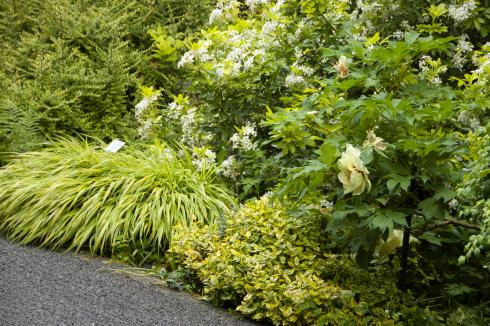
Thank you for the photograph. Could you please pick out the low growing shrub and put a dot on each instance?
(75, 195)
(269, 265)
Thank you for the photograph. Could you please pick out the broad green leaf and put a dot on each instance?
(396, 179)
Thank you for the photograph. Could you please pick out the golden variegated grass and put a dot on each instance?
(74, 195)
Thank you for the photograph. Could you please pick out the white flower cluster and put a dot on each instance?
(233, 51)
(307, 71)
(483, 62)
(462, 48)
(271, 27)
(405, 25)
(203, 157)
(145, 129)
(227, 167)
(174, 110)
(466, 118)
(144, 104)
(462, 12)
(224, 10)
(326, 204)
(167, 154)
(293, 79)
(198, 53)
(298, 73)
(430, 69)
(187, 122)
(453, 204)
(364, 13)
(253, 4)
(398, 35)
(244, 138)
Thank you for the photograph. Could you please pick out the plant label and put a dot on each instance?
(114, 146)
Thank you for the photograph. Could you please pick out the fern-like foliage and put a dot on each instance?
(19, 130)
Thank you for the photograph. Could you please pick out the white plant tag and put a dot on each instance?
(114, 146)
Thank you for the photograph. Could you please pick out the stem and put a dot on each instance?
(402, 280)
(449, 221)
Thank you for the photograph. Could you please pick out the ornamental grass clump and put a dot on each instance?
(75, 195)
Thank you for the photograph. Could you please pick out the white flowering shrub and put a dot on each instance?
(369, 106)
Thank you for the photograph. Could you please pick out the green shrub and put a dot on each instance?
(269, 265)
(75, 195)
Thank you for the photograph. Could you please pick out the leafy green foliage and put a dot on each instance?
(269, 265)
(474, 194)
(76, 196)
(366, 107)
(74, 66)
(19, 131)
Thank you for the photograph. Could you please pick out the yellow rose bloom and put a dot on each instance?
(353, 174)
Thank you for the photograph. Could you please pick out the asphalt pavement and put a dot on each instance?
(42, 287)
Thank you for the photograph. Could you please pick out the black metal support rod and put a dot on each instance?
(402, 280)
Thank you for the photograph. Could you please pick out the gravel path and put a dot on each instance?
(41, 287)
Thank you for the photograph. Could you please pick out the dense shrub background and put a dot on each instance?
(367, 121)
(269, 265)
(75, 66)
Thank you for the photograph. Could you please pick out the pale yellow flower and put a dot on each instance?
(353, 174)
(342, 67)
(373, 141)
(394, 241)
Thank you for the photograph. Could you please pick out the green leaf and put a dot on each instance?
(367, 156)
(382, 222)
(432, 208)
(396, 179)
(328, 153)
(445, 194)
(363, 257)
(431, 237)
(455, 289)
(397, 217)
(411, 37)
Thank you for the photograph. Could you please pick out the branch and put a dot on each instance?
(449, 221)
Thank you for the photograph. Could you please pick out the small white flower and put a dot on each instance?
(249, 130)
(187, 58)
(326, 204)
(203, 157)
(436, 80)
(398, 35)
(144, 130)
(293, 79)
(475, 123)
(453, 204)
(405, 25)
(270, 27)
(143, 105)
(167, 154)
(248, 63)
(227, 167)
(215, 15)
(220, 72)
